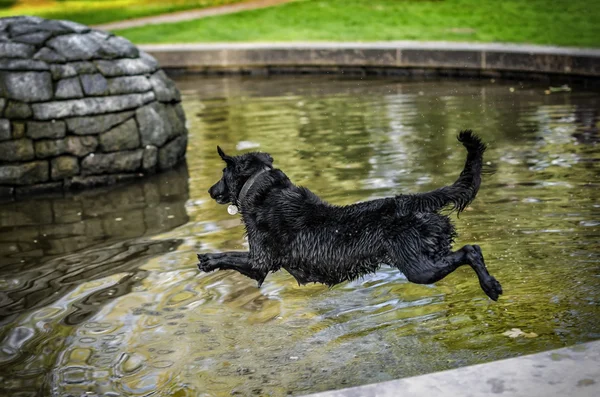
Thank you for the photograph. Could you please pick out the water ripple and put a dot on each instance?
(99, 293)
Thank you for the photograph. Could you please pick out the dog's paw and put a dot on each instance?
(206, 263)
(492, 288)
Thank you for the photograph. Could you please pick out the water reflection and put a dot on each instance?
(65, 258)
(117, 306)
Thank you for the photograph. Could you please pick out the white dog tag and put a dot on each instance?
(232, 210)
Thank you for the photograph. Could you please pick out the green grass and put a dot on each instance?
(556, 22)
(94, 12)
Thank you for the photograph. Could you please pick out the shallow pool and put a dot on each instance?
(99, 292)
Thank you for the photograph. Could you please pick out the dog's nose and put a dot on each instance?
(215, 191)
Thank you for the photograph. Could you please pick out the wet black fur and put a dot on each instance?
(290, 227)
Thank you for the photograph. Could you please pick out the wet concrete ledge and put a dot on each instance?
(573, 371)
(383, 58)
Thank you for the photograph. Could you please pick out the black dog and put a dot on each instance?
(290, 227)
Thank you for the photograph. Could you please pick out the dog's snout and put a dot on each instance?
(215, 191)
(211, 192)
(218, 192)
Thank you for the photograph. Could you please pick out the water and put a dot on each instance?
(100, 294)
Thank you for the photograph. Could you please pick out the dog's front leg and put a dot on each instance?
(235, 260)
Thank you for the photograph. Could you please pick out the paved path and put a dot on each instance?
(192, 14)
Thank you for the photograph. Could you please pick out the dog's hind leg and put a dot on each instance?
(235, 260)
(425, 271)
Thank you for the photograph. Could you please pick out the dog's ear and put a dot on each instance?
(223, 156)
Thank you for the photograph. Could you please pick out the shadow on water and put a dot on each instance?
(99, 292)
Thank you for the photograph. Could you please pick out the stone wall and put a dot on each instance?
(81, 108)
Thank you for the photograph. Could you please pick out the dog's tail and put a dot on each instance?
(462, 192)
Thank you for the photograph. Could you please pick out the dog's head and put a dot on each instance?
(238, 169)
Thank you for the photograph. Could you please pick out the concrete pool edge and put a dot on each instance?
(571, 371)
(383, 58)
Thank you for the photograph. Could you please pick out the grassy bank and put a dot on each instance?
(94, 12)
(556, 22)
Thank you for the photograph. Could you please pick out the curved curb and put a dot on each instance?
(380, 57)
(572, 371)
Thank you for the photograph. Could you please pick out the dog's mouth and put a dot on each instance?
(222, 199)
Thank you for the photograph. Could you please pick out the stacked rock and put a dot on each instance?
(80, 108)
